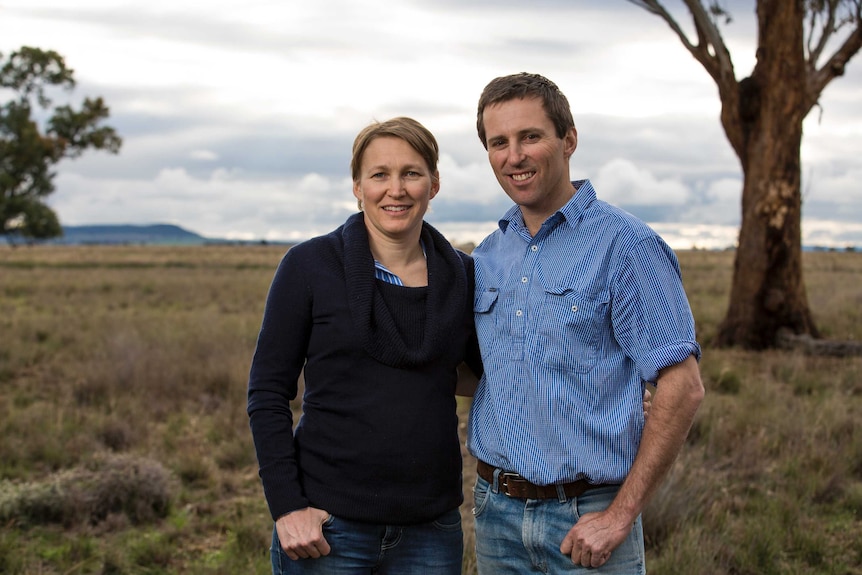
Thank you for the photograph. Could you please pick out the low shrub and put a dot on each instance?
(138, 488)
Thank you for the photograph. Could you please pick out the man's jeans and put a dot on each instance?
(517, 536)
(434, 548)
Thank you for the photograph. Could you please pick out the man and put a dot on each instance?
(577, 305)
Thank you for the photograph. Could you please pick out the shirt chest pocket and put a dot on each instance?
(570, 329)
(484, 301)
(485, 313)
(483, 305)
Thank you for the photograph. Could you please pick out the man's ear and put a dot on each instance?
(570, 142)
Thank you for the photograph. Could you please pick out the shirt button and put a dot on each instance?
(574, 308)
(524, 280)
(519, 313)
(534, 248)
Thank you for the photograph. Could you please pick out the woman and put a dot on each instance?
(378, 314)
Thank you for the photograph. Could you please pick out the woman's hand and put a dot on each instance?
(647, 402)
(300, 533)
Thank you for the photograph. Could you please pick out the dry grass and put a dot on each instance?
(132, 490)
(117, 358)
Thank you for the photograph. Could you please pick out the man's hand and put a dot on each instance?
(300, 533)
(594, 537)
(670, 414)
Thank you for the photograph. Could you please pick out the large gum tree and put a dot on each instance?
(33, 142)
(802, 45)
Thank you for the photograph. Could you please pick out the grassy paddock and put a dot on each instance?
(124, 445)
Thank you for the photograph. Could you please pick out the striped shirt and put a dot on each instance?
(383, 274)
(571, 324)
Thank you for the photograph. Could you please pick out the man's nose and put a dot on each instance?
(516, 154)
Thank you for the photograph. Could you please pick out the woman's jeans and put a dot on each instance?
(434, 548)
(516, 536)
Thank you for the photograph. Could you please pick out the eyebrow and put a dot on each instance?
(386, 167)
(520, 133)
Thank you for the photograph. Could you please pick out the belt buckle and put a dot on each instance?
(506, 476)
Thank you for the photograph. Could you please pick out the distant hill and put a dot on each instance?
(129, 234)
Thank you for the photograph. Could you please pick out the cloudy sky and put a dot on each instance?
(238, 115)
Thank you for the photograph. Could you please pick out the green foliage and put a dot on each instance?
(11, 559)
(28, 152)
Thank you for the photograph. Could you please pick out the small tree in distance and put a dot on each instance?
(28, 152)
(762, 117)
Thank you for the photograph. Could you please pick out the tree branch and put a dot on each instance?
(826, 32)
(654, 7)
(713, 55)
(818, 79)
(710, 36)
(716, 61)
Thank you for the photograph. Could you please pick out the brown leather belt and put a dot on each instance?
(514, 485)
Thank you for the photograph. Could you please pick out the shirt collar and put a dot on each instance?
(584, 195)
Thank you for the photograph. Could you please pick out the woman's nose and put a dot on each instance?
(397, 187)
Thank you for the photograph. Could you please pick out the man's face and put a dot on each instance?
(528, 158)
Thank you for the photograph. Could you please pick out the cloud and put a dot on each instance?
(223, 205)
(203, 155)
(238, 118)
(623, 184)
(715, 202)
(682, 235)
(831, 234)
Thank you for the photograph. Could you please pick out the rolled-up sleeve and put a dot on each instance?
(652, 319)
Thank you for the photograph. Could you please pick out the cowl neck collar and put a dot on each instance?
(446, 300)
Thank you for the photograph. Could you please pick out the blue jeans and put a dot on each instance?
(434, 548)
(517, 536)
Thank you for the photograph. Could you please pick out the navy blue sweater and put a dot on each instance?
(377, 441)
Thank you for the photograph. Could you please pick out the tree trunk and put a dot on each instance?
(765, 129)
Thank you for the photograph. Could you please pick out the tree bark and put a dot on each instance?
(765, 128)
(762, 117)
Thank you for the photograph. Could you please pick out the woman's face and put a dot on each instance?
(395, 186)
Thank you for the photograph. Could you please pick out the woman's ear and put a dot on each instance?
(357, 193)
(435, 184)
